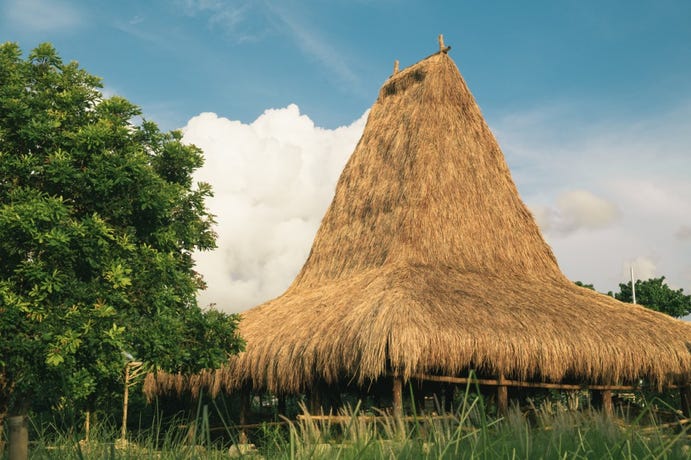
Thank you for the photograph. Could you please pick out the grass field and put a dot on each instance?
(550, 431)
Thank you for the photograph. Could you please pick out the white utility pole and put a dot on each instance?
(633, 286)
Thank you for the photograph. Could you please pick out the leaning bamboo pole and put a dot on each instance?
(133, 370)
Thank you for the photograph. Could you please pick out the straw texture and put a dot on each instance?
(427, 261)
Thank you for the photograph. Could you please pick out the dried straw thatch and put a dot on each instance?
(427, 261)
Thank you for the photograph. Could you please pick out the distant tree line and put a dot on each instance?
(654, 294)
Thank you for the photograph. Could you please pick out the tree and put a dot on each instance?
(656, 295)
(587, 286)
(98, 221)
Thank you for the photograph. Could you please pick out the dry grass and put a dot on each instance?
(427, 261)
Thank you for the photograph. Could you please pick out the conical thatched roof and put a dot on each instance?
(427, 261)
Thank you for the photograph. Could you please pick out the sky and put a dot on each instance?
(590, 101)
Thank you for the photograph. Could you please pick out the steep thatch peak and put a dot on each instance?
(427, 184)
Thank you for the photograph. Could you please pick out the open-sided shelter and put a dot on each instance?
(428, 265)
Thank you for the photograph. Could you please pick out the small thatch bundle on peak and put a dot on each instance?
(428, 262)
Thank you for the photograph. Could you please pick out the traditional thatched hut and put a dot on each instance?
(428, 264)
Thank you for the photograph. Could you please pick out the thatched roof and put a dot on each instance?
(427, 261)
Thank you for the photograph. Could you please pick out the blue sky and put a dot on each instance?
(180, 58)
(590, 100)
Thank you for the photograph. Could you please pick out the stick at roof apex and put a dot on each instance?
(442, 47)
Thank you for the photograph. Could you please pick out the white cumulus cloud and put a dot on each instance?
(273, 180)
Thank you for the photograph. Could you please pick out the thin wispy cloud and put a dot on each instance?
(249, 21)
(606, 193)
(192, 7)
(547, 145)
(171, 43)
(136, 20)
(239, 20)
(43, 15)
(138, 30)
(315, 44)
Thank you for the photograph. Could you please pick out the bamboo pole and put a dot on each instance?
(133, 370)
(369, 418)
(125, 403)
(521, 384)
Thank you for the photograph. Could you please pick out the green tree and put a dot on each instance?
(98, 221)
(587, 286)
(656, 295)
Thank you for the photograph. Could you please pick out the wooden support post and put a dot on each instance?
(685, 394)
(448, 398)
(398, 397)
(607, 406)
(245, 407)
(602, 400)
(316, 399)
(419, 398)
(281, 409)
(502, 397)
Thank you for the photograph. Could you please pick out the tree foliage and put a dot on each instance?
(656, 295)
(587, 286)
(98, 221)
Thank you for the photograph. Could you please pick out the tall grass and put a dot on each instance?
(468, 433)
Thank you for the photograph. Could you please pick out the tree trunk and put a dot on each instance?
(18, 437)
(2, 435)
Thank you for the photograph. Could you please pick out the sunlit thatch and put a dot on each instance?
(427, 261)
